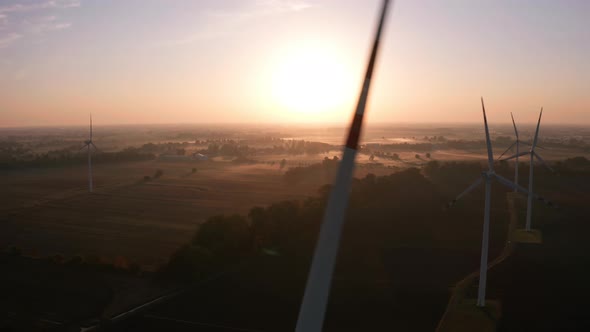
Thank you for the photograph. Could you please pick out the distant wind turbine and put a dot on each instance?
(89, 144)
(533, 154)
(488, 177)
(317, 289)
(517, 144)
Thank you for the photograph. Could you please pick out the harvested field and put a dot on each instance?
(50, 211)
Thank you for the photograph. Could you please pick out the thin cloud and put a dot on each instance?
(23, 7)
(40, 29)
(61, 26)
(44, 24)
(283, 6)
(230, 20)
(265, 8)
(42, 19)
(8, 39)
(14, 27)
(3, 21)
(65, 4)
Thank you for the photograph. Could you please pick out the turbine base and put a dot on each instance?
(534, 236)
(467, 316)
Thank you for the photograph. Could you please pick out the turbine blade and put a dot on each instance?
(521, 189)
(524, 153)
(511, 184)
(514, 123)
(488, 142)
(83, 146)
(537, 131)
(536, 146)
(510, 147)
(317, 288)
(95, 148)
(91, 126)
(543, 162)
(466, 191)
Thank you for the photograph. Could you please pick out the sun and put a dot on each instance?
(311, 80)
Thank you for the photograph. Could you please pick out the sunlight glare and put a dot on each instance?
(311, 80)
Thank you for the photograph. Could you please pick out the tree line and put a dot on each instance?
(399, 210)
(66, 157)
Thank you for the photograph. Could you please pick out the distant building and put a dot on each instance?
(198, 156)
(176, 157)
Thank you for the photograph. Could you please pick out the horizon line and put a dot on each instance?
(281, 124)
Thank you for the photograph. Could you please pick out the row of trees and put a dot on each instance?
(399, 210)
(319, 173)
(68, 157)
(443, 144)
(294, 147)
(232, 149)
(87, 262)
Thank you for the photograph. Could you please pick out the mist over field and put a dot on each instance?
(174, 204)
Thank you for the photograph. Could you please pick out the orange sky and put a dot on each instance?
(290, 61)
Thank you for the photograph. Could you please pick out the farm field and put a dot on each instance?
(51, 212)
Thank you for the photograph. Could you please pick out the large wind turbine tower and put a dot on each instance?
(532, 155)
(89, 144)
(517, 145)
(487, 177)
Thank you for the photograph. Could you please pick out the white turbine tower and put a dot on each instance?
(517, 144)
(89, 144)
(533, 154)
(317, 289)
(488, 177)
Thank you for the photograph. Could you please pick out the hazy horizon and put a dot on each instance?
(279, 125)
(285, 61)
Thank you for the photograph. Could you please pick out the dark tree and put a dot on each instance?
(227, 237)
(190, 262)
